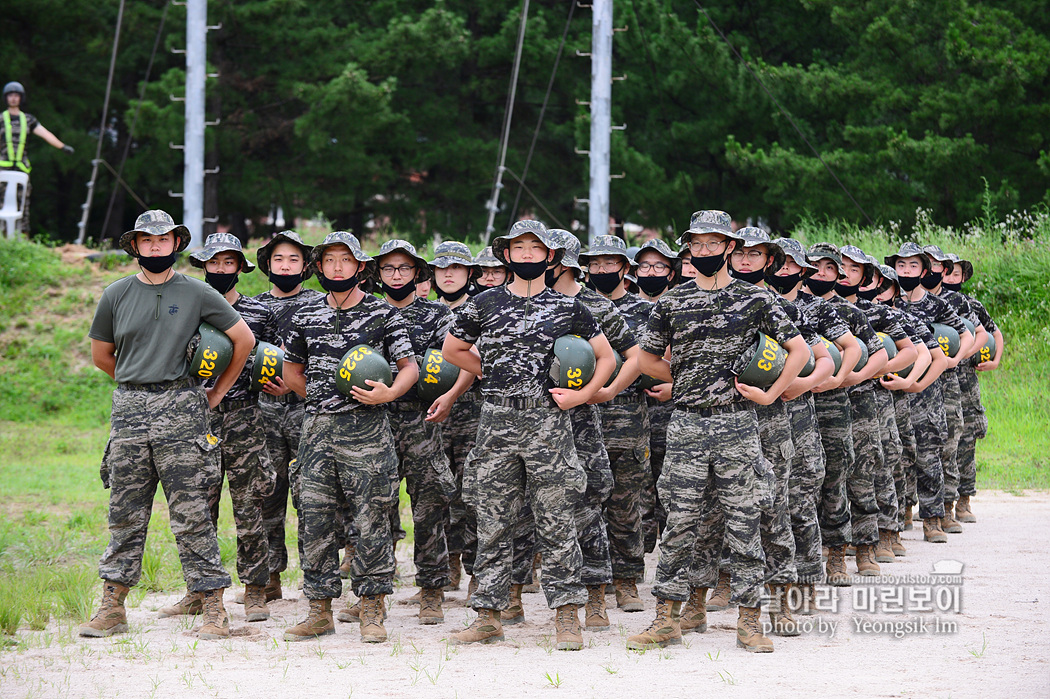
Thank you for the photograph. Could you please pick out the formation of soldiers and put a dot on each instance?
(750, 491)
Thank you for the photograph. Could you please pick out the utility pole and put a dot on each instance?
(601, 117)
(193, 172)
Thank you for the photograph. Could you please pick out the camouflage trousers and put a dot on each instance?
(625, 429)
(713, 462)
(953, 416)
(346, 458)
(860, 483)
(806, 475)
(461, 523)
(521, 453)
(886, 477)
(654, 518)
(904, 479)
(430, 485)
(161, 437)
(928, 423)
(976, 427)
(245, 463)
(283, 421)
(835, 424)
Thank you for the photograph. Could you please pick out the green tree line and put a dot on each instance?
(390, 111)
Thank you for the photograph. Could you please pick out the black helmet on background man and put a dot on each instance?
(14, 86)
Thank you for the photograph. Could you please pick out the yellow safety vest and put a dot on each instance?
(23, 131)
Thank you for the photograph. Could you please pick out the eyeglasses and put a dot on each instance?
(604, 266)
(654, 266)
(389, 270)
(696, 246)
(493, 272)
(754, 255)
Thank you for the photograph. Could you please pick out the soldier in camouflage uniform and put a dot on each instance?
(525, 437)
(159, 431)
(347, 451)
(713, 449)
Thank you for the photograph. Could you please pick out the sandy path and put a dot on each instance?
(1000, 647)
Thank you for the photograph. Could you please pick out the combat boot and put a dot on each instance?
(666, 629)
(318, 622)
(430, 606)
(485, 629)
(350, 613)
(780, 618)
(595, 616)
(694, 612)
(515, 611)
(348, 556)
(908, 519)
(215, 620)
(749, 630)
(805, 601)
(932, 532)
(866, 564)
(255, 608)
(719, 599)
(472, 587)
(568, 635)
(191, 604)
(948, 523)
(534, 585)
(455, 572)
(111, 618)
(884, 549)
(373, 613)
(836, 567)
(962, 510)
(273, 588)
(627, 597)
(898, 547)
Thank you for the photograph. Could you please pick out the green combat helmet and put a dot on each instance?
(809, 366)
(862, 362)
(359, 364)
(889, 344)
(833, 350)
(573, 364)
(436, 376)
(766, 364)
(947, 338)
(213, 353)
(616, 372)
(267, 365)
(987, 353)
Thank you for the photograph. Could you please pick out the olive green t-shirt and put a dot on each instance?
(152, 324)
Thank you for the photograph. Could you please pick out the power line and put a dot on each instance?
(535, 198)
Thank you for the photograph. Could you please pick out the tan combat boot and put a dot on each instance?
(273, 588)
(749, 631)
(350, 613)
(348, 556)
(190, 604)
(455, 572)
(948, 523)
(595, 616)
(908, 519)
(537, 565)
(111, 618)
(627, 598)
(898, 547)
(215, 620)
(932, 532)
(866, 564)
(255, 608)
(780, 618)
(430, 611)
(694, 612)
(472, 587)
(515, 611)
(962, 510)
(836, 567)
(719, 599)
(373, 613)
(666, 629)
(884, 549)
(485, 629)
(805, 601)
(318, 622)
(568, 635)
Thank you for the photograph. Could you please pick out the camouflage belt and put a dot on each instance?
(173, 385)
(521, 403)
(291, 397)
(715, 409)
(628, 399)
(228, 406)
(407, 406)
(470, 397)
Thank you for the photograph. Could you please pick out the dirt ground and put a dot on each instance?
(984, 635)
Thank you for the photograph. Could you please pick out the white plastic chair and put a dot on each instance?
(11, 211)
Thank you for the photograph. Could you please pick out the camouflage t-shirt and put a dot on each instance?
(982, 313)
(319, 336)
(858, 323)
(636, 312)
(799, 320)
(932, 309)
(284, 306)
(263, 324)
(610, 322)
(917, 331)
(961, 305)
(821, 315)
(515, 337)
(708, 333)
(428, 322)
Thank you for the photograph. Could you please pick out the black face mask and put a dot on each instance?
(286, 282)
(819, 287)
(951, 287)
(784, 284)
(528, 270)
(908, 283)
(451, 296)
(708, 266)
(931, 280)
(869, 294)
(847, 289)
(475, 289)
(337, 286)
(606, 282)
(156, 265)
(221, 282)
(749, 277)
(550, 280)
(400, 293)
(653, 286)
